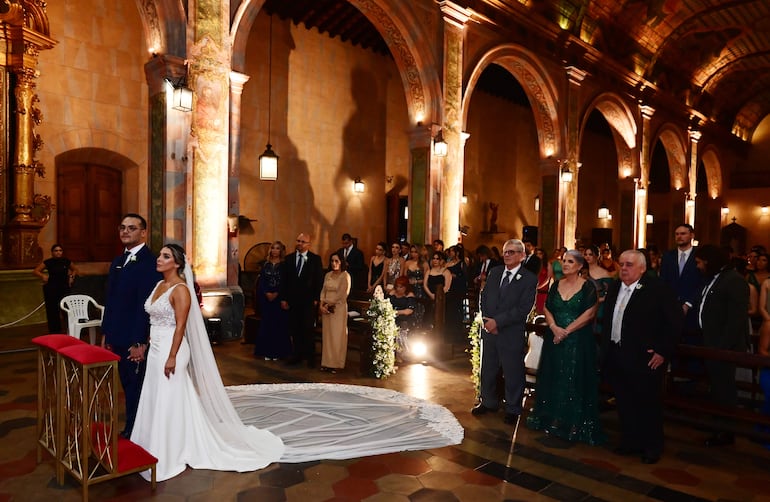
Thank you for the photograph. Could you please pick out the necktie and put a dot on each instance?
(682, 260)
(506, 278)
(484, 267)
(620, 307)
(346, 254)
(126, 254)
(300, 259)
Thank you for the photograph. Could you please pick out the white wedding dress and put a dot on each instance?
(174, 425)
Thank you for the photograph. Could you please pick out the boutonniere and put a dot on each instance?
(132, 258)
(639, 286)
(518, 276)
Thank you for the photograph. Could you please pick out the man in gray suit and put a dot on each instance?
(506, 301)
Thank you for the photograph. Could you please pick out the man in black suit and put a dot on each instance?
(678, 271)
(724, 320)
(350, 254)
(506, 301)
(642, 322)
(300, 291)
(532, 262)
(126, 325)
(484, 264)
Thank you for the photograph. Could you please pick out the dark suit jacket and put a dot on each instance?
(533, 263)
(356, 267)
(652, 320)
(725, 312)
(125, 321)
(301, 291)
(688, 286)
(477, 267)
(509, 310)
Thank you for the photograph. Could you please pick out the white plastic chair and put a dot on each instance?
(76, 307)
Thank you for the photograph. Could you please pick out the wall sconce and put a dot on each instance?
(406, 212)
(649, 219)
(604, 212)
(566, 174)
(439, 145)
(765, 210)
(358, 185)
(690, 202)
(725, 210)
(626, 172)
(464, 199)
(537, 203)
(268, 161)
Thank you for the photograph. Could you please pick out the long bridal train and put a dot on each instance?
(330, 421)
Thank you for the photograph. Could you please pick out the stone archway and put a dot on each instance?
(416, 64)
(676, 152)
(535, 81)
(164, 26)
(624, 130)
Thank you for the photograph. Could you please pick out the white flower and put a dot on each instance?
(518, 276)
(639, 286)
(378, 294)
(384, 330)
(132, 258)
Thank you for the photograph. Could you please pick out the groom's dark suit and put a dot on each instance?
(652, 319)
(509, 306)
(125, 321)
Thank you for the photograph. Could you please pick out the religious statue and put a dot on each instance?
(493, 217)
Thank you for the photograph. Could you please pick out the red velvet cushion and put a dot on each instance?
(89, 354)
(56, 342)
(132, 456)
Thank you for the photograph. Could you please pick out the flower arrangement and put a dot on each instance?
(474, 335)
(382, 317)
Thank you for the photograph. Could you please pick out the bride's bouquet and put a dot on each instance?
(382, 317)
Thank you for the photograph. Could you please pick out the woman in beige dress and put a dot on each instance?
(334, 311)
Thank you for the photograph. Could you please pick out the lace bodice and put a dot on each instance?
(161, 311)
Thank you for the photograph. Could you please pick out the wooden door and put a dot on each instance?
(88, 211)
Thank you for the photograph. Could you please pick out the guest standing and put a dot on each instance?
(455, 329)
(334, 309)
(566, 397)
(723, 317)
(300, 291)
(377, 267)
(56, 284)
(415, 271)
(601, 280)
(354, 260)
(125, 325)
(273, 339)
(506, 301)
(437, 282)
(394, 266)
(642, 324)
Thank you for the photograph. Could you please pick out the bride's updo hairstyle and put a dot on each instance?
(178, 253)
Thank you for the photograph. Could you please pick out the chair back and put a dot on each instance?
(76, 306)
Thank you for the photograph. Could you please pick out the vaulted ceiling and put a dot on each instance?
(710, 56)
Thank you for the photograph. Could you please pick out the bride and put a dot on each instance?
(185, 416)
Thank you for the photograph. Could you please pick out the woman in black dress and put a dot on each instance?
(56, 284)
(455, 329)
(377, 267)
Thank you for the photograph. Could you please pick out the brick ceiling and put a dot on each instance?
(712, 56)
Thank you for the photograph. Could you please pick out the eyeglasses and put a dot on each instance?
(300, 241)
(509, 252)
(128, 228)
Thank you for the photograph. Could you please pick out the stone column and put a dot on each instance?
(551, 205)
(569, 190)
(642, 204)
(209, 77)
(692, 174)
(455, 18)
(421, 189)
(237, 81)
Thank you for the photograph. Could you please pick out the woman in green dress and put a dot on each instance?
(566, 394)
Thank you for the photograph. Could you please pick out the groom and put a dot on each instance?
(125, 324)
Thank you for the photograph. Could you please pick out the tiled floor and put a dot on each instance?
(494, 462)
